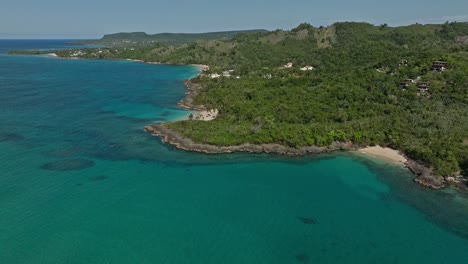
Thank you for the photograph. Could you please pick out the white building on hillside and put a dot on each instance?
(307, 68)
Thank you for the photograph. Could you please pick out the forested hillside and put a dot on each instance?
(352, 94)
(369, 85)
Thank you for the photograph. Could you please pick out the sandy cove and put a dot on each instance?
(387, 154)
(425, 176)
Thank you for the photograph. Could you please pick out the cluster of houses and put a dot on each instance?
(289, 65)
(437, 66)
(307, 68)
(403, 63)
(422, 86)
(227, 74)
(78, 53)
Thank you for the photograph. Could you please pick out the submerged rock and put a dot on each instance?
(307, 220)
(98, 178)
(67, 165)
(302, 258)
(11, 137)
(63, 153)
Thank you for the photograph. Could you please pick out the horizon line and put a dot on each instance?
(229, 30)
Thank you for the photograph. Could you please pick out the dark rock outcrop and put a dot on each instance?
(425, 176)
(187, 101)
(429, 181)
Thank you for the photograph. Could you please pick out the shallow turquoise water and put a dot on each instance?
(81, 182)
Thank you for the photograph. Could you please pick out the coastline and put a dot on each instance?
(424, 175)
(200, 67)
(173, 138)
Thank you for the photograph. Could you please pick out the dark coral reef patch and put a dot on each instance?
(307, 220)
(68, 165)
(98, 178)
(14, 137)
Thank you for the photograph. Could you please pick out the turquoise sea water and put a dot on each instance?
(81, 182)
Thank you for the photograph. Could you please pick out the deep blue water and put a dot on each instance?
(81, 182)
(43, 44)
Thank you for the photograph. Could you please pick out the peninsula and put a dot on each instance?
(312, 90)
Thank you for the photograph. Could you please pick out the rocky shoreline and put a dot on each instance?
(187, 101)
(424, 175)
(173, 138)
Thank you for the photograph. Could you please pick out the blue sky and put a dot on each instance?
(93, 18)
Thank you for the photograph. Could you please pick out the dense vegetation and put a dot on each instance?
(353, 94)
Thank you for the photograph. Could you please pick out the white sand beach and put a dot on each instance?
(134, 60)
(386, 154)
